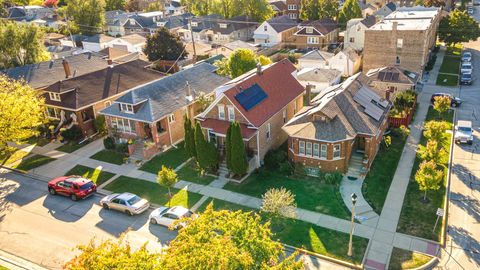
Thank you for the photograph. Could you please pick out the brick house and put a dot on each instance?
(343, 120)
(261, 100)
(152, 114)
(403, 38)
(78, 100)
(293, 9)
(392, 80)
(315, 34)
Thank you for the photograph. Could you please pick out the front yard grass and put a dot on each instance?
(38, 141)
(405, 259)
(172, 158)
(455, 50)
(33, 162)
(310, 193)
(418, 218)
(377, 183)
(70, 147)
(153, 192)
(10, 156)
(109, 156)
(447, 79)
(97, 175)
(190, 173)
(450, 64)
(304, 235)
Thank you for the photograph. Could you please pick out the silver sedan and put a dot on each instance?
(128, 203)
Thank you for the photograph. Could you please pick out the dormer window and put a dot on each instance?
(132, 21)
(309, 30)
(128, 108)
(223, 25)
(54, 96)
(265, 28)
(194, 24)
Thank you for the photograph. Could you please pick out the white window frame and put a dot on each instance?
(397, 60)
(323, 151)
(195, 24)
(265, 28)
(316, 150)
(54, 96)
(221, 111)
(223, 25)
(171, 118)
(399, 43)
(107, 103)
(124, 125)
(301, 148)
(308, 149)
(231, 113)
(128, 108)
(337, 151)
(309, 30)
(55, 111)
(269, 131)
(312, 40)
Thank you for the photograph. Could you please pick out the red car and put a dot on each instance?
(74, 186)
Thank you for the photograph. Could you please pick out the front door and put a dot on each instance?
(361, 144)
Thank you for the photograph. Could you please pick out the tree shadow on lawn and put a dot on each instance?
(467, 242)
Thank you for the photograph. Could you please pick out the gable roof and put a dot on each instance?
(322, 27)
(282, 23)
(278, 83)
(347, 109)
(278, 5)
(96, 86)
(393, 74)
(317, 55)
(233, 24)
(134, 39)
(99, 38)
(391, 6)
(45, 73)
(204, 22)
(369, 21)
(318, 74)
(162, 97)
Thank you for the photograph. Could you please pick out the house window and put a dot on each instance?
(123, 125)
(293, 145)
(312, 40)
(194, 24)
(128, 108)
(301, 148)
(53, 112)
(292, 7)
(54, 96)
(323, 151)
(221, 111)
(269, 131)
(309, 30)
(397, 61)
(293, 16)
(309, 149)
(284, 116)
(132, 21)
(171, 118)
(265, 28)
(352, 40)
(223, 25)
(107, 103)
(316, 150)
(231, 113)
(336, 151)
(399, 43)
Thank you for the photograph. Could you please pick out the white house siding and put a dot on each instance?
(267, 38)
(355, 31)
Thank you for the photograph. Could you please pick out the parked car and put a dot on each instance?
(467, 57)
(466, 79)
(165, 216)
(126, 202)
(470, 10)
(466, 67)
(454, 101)
(74, 186)
(464, 132)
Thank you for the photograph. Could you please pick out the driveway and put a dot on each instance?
(463, 249)
(46, 229)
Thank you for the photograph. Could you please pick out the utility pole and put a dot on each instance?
(193, 40)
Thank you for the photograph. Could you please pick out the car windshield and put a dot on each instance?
(466, 76)
(466, 65)
(134, 200)
(86, 186)
(465, 129)
(188, 214)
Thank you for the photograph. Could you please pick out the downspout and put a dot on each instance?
(258, 150)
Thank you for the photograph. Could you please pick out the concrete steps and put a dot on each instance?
(138, 153)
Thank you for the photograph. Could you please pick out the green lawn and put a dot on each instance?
(451, 80)
(153, 192)
(71, 147)
(309, 193)
(109, 156)
(11, 156)
(172, 158)
(377, 183)
(405, 259)
(305, 235)
(39, 141)
(450, 64)
(96, 175)
(418, 218)
(454, 50)
(33, 162)
(190, 173)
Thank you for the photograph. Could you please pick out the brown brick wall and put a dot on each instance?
(300, 42)
(213, 113)
(383, 86)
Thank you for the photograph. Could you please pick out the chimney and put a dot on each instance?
(188, 95)
(51, 64)
(109, 61)
(259, 69)
(308, 92)
(394, 26)
(66, 67)
(108, 81)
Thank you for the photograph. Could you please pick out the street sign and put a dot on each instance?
(440, 212)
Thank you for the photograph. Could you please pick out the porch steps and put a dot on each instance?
(355, 166)
(138, 153)
(222, 169)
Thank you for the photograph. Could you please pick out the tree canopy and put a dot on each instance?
(207, 156)
(458, 27)
(167, 177)
(21, 111)
(310, 10)
(350, 10)
(115, 5)
(21, 44)
(258, 10)
(239, 62)
(88, 16)
(236, 152)
(428, 177)
(189, 137)
(435, 130)
(328, 9)
(163, 45)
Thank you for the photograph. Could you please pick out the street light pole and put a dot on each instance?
(354, 201)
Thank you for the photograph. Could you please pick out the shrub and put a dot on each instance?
(285, 168)
(99, 124)
(292, 58)
(122, 148)
(109, 143)
(275, 157)
(299, 170)
(72, 134)
(333, 178)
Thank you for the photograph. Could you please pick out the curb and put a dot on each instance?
(323, 257)
(8, 260)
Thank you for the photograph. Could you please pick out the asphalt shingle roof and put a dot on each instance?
(282, 23)
(323, 26)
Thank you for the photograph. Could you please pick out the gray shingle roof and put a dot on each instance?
(164, 96)
(282, 23)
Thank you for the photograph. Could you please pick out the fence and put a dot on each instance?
(396, 122)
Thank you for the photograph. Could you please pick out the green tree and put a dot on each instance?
(199, 7)
(132, 5)
(434, 3)
(88, 16)
(458, 27)
(310, 10)
(350, 10)
(238, 153)
(167, 177)
(21, 44)
(226, 240)
(258, 10)
(163, 45)
(207, 156)
(228, 146)
(279, 202)
(189, 137)
(21, 111)
(113, 254)
(239, 62)
(115, 5)
(328, 9)
(428, 177)
(442, 104)
(435, 130)
(432, 151)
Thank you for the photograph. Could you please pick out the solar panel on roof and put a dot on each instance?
(251, 97)
(388, 76)
(381, 75)
(395, 76)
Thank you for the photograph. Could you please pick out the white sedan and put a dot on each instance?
(165, 216)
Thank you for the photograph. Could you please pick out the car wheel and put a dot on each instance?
(105, 206)
(470, 143)
(153, 221)
(73, 197)
(129, 213)
(52, 191)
